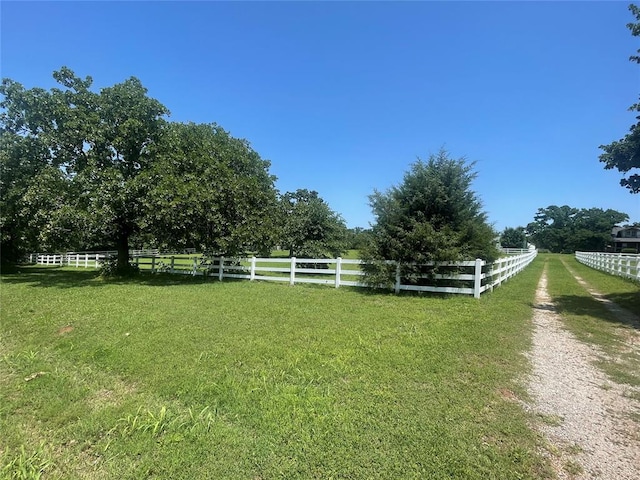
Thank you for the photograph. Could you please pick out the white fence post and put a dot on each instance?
(252, 275)
(477, 278)
(338, 269)
(292, 275)
(221, 268)
(396, 288)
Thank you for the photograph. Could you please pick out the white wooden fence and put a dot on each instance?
(516, 251)
(620, 264)
(468, 278)
(71, 259)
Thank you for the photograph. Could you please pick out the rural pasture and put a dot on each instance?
(180, 377)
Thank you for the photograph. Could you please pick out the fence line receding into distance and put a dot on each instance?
(620, 264)
(468, 278)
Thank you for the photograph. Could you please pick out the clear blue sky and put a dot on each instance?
(343, 97)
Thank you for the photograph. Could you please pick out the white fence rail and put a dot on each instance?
(620, 264)
(85, 260)
(516, 251)
(468, 278)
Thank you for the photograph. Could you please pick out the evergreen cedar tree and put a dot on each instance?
(432, 216)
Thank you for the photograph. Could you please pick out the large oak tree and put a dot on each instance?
(93, 146)
(210, 191)
(82, 168)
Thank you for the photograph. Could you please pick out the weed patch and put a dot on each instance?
(27, 465)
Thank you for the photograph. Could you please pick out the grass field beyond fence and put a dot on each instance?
(178, 377)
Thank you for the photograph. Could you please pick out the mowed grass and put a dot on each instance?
(176, 377)
(590, 321)
(623, 291)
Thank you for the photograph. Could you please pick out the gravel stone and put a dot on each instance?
(585, 418)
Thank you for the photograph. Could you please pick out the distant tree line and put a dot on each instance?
(513, 238)
(566, 230)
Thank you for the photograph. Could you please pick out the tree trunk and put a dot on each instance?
(122, 245)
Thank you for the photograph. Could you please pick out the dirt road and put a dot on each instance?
(585, 418)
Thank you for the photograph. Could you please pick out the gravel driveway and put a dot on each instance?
(584, 417)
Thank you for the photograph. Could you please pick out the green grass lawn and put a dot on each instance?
(179, 377)
(622, 291)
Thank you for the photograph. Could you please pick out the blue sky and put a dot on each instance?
(342, 97)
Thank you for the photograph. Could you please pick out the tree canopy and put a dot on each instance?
(432, 216)
(309, 227)
(565, 229)
(90, 148)
(513, 238)
(82, 168)
(208, 190)
(358, 238)
(624, 154)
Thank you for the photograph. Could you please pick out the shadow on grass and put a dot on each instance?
(60, 277)
(64, 277)
(628, 300)
(589, 306)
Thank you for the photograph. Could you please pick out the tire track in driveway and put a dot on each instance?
(583, 416)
